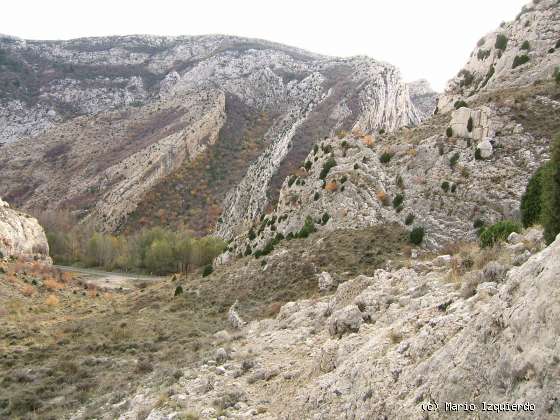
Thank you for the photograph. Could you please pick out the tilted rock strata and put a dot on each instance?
(155, 102)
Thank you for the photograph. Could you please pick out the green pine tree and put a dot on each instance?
(551, 194)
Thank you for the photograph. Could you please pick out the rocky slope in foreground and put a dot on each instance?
(477, 327)
(177, 130)
(21, 235)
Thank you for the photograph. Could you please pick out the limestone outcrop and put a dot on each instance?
(470, 123)
(121, 116)
(395, 344)
(518, 53)
(21, 235)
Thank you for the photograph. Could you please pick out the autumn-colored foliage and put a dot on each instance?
(331, 186)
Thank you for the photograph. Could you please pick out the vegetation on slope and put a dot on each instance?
(156, 250)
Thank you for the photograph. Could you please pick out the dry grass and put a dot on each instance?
(52, 300)
(331, 186)
(51, 284)
(27, 290)
(383, 198)
(368, 140)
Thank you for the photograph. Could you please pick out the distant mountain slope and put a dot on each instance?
(112, 126)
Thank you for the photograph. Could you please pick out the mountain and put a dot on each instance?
(141, 130)
(452, 172)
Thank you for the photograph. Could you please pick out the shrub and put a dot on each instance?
(449, 133)
(307, 165)
(356, 166)
(208, 269)
(409, 219)
(468, 78)
(520, 60)
(307, 229)
(252, 234)
(557, 45)
(460, 104)
(501, 42)
(331, 186)
(483, 54)
(325, 218)
(397, 201)
(399, 181)
(470, 125)
(454, 159)
(454, 188)
(489, 75)
(478, 223)
(478, 154)
(445, 186)
(557, 75)
(526, 45)
(315, 149)
(316, 196)
(178, 291)
(343, 179)
(248, 251)
(327, 166)
(530, 207)
(385, 157)
(416, 235)
(498, 232)
(550, 212)
(481, 42)
(291, 180)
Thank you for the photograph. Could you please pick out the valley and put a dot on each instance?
(217, 227)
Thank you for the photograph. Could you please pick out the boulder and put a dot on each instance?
(486, 148)
(514, 238)
(345, 320)
(326, 282)
(480, 124)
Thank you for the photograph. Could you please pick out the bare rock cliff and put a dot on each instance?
(21, 235)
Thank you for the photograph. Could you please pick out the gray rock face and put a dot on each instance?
(21, 235)
(534, 34)
(470, 123)
(423, 97)
(426, 342)
(438, 180)
(126, 112)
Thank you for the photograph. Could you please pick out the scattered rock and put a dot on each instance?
(345, 320)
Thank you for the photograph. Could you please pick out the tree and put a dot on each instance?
(184, 253)
(531, 200)
(551, 194)
(160, 257)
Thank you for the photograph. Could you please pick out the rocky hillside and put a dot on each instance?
(518, 53)
(21, 235)
(478, 327)
(451, 173)
(177, 130)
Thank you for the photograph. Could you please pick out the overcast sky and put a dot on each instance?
(425, 38)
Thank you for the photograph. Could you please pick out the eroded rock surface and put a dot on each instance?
(21, 235)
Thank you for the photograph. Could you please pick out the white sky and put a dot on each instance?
(429, 39)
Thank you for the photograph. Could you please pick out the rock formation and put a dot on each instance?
(124, 123)
(518, 53)
(394, 343)
(21, 235)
